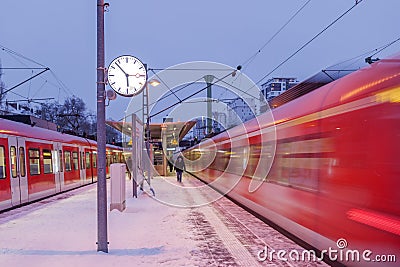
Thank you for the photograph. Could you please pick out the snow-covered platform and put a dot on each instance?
(164, 231)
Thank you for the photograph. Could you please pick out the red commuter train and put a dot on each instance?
(36, 162)
(334, 179)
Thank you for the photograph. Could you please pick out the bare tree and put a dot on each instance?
(49, 111)
(113, 136)
(72, 115)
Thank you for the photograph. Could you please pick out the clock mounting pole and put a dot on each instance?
(102, 242)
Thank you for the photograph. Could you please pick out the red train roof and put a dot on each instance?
(8, 127)
(381, 75)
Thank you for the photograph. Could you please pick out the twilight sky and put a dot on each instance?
(61, 35)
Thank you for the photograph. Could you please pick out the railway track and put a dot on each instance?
(231, 236)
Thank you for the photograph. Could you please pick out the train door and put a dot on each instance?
(58, 166)
(88, 165)
(19, 180)
(82, 165)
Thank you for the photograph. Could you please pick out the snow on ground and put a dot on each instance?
(62, 231)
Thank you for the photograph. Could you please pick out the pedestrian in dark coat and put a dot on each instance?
(179, 168)
(170, 164)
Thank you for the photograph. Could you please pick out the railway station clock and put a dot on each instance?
(127, 75)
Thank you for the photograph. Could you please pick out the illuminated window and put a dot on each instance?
(47, 161)
(67, 158)
(34, 161)
(108, 160)
(22, 168)
(87, 160)
(13, 160)
(2, 163)
(75, 160)
(94, 160)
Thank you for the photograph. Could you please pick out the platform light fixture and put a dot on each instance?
(154, 82)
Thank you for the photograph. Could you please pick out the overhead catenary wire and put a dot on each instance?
(188, 69)
(371, 53)
(38, 90)
(191, 95)
(353, 59)
(162, 81)
(29, 99)
(15, 55)
(20, 55)
(251, 58)
(62, 85)
(385, 46)
(307, 43)
(173, 92)
(15, 86)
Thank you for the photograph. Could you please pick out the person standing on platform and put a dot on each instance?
(170, 164)
(179, 168)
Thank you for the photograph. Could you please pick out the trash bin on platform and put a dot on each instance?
(117, 174)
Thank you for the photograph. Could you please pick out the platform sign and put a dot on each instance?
(137, 153)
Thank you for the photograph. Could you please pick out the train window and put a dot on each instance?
(2, 163)
(82, 160)
(60, 160)
(47, 161)
(296, 163)
(22, 168)
(75, 160)
(67, 158)
(87, 160)
(108, 160)
(13, 159)
(94, 160)
(34, 161)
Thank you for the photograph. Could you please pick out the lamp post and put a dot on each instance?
(154, 83)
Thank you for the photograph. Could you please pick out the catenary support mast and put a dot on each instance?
(102, 242)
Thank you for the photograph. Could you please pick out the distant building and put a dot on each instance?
(16, 108)
(200, 128)
(277, 86)
(219, 121)
(240, 110)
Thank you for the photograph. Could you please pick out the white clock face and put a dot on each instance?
(127, 75)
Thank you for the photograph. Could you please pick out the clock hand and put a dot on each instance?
(137, 75)
(126, 74)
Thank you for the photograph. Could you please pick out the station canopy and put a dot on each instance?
(178, 129)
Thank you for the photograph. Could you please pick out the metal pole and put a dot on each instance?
(209, 79)
(164, 146)
(102, 243)
(148, 134)
(135, 155)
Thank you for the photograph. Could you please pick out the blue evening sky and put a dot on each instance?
(62, 36)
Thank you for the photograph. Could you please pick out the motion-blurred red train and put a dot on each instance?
(37, 162)
(334, 180)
